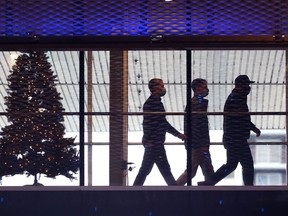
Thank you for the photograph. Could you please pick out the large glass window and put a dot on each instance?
(219, 68)
(116, 87)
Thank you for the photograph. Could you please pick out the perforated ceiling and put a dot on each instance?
(142, 17)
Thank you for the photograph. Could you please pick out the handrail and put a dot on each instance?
(181, 143)
(160, 113)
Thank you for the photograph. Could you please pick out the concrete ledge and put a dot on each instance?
(144, 188)
(146, 201)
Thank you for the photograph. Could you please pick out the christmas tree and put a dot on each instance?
(34, 142)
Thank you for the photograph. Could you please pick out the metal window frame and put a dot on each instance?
(83, 44)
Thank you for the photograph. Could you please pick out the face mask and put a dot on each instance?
(246, 90)
(163, 92)
(205, 92)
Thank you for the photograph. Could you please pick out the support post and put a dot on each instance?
(89, 117)
(81, 115)
(188, 115)
(286, 71)
(118, 120)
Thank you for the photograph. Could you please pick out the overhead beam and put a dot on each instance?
(142, 42)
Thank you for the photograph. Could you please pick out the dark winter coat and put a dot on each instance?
(237, 125)
(155, 126)
(199, 124)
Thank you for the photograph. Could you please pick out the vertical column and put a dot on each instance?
(188, 114)
(118, 121)
(81, 115)
(286, 71)
(89, 117)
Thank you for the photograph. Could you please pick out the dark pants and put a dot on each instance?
(200, 157)
(237, 151)
(157, 155)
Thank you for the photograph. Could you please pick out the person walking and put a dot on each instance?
(155, 127)
(200, 139)
(236, 127)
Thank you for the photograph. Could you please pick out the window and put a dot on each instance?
(219, 67)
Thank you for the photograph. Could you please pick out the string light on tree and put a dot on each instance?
(34, 141)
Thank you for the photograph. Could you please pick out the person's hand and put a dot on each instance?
(257, 131)
(182, 136)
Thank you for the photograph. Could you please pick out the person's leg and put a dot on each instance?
(226, 169)
(163, 166)
(146, 167)
(229, 167)
(182, 180)
(247, 163)
(206, 163)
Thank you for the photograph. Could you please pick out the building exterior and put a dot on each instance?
(104, 54)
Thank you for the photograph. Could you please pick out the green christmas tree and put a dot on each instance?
(34, 142)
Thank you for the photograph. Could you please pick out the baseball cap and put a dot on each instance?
(243, 79)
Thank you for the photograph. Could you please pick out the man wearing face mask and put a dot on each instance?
(200, 139)
(155, 128)
(236, 128)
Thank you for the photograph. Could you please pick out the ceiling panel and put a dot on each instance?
(142, 18)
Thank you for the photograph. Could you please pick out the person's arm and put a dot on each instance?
(170, 129)
(162, 121)
(255, 129)
(244, 108)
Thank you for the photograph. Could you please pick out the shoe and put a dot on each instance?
(205, 183)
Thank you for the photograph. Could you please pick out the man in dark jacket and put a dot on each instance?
(237, 126)
(200, 138)
(155, 127)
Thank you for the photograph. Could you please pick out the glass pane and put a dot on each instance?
(43, 87)
(268, 94)
(219, 68)
(97, 89)
(170, 66)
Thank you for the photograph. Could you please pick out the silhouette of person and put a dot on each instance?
(200, 139)
(236, 127)
(155, 127)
